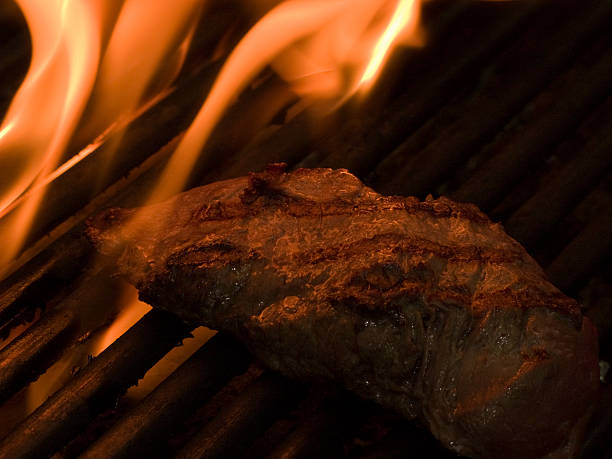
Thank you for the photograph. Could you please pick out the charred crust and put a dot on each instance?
(526, 299)
(101, 222)
(255, 189)
(211, 211)
(269, 183)
(397, 243)
(102, 229)
(535, 355)
(266, 183)
(444, 208)
(206, 253)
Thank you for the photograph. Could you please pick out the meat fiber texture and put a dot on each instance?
(428, 308)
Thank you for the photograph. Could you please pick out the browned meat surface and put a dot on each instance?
(426, 307)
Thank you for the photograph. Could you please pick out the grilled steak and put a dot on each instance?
(425, 307)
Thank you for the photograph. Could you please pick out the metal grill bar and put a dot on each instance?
(38, 347)
(584, 254)
(140, 432)
(549, 117)
(330, 421)
(34, 351)
(361, 143)
(232, 431)
(548, 205)
(95, 388)
(550, 49)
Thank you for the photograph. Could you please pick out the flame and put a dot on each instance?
(94, 63)
(325, 49)
(65, 52)
(131, 312)
(127, 74)
(88, 71)
(404, 22)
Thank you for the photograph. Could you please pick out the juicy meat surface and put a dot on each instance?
(427, 307)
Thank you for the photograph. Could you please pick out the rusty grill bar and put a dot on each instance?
(508, 106)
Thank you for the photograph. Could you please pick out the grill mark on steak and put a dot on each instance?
(425, 307)
(302, 207)
(409, 245)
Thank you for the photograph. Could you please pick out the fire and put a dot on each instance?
(88, 71)
(97, 63)
(131, 311)
(404, 23)
(326, 50)
(61, 74)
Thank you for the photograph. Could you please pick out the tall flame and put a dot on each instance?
(88, 70)
(325, 49)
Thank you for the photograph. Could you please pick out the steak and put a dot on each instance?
(426, 307)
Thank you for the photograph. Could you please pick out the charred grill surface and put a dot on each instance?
(425, 307)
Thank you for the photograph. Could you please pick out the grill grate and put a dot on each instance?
(506, 107)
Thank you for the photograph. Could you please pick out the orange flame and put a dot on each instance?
(75, 72)
(404, 24)
(325, 49)
(61, 75)
(132, 310)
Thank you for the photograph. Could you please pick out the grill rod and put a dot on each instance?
(359, 143)
(95, 388)
(494, 105)
(138, 433)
